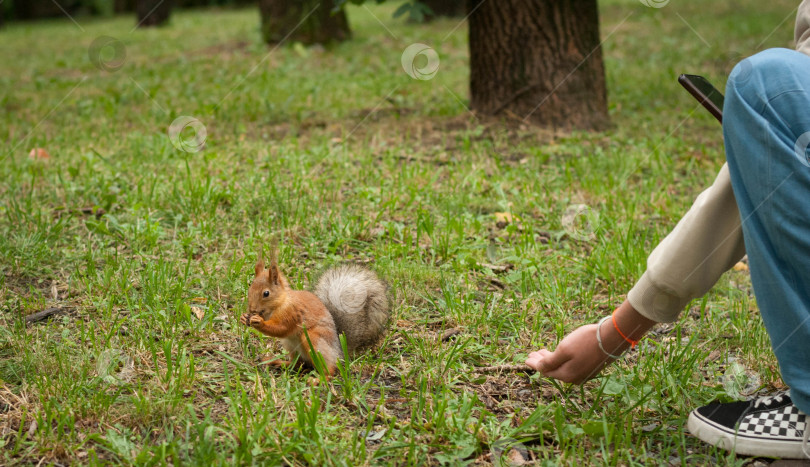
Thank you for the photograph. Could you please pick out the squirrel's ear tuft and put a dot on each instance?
(259, 267)
(273, 273)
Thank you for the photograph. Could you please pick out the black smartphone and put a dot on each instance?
(702, 90)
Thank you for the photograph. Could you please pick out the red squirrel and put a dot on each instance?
(348, 299)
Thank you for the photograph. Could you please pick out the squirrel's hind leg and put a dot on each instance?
(270, 361)
(293, 361)
(329, 351)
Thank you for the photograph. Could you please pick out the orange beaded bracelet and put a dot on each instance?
(616, 326)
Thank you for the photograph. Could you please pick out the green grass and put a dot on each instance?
(343, 157)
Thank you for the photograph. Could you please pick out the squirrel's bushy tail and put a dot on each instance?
(357, 300)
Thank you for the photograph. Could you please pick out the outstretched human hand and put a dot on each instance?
(576, 359)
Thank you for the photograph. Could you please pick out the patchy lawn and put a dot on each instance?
(496, 238)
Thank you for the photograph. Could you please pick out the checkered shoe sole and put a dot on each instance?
(762, 430)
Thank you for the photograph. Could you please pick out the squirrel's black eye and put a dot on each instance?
(266, 294)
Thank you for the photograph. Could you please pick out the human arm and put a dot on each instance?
(686, 264)
(578, 357)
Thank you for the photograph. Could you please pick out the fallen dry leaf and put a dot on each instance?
(198, 312)
(741, 267)
(506, 217)
(32, 428)
(39, 154)
(502, 219)
(515, 457)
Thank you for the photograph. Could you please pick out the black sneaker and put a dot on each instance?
(765, 427)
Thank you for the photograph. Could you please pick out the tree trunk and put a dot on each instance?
(36, 9)
(124, 6)
(538, 60)
(452, 8)
(307, 21)
(153, 12)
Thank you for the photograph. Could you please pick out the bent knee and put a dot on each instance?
(772, 68)
(756, 81)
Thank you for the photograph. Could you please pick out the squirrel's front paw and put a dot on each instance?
(255, 320)
(245, 319)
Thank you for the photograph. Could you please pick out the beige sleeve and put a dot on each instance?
(802, 31)
(707, 242)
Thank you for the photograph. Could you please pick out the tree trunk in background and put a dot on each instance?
(538, 60)
(153, 12)
(307, 21)
(124, 6)
(452, 8)
(36, 9)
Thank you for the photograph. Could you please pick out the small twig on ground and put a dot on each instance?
(503, 368)
(450, 333)
(45, 314)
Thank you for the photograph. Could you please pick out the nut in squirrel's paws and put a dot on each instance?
(255, 320)
(251, 320)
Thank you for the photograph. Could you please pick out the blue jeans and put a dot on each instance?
(766, 127)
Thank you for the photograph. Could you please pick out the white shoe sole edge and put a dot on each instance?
(720, 436)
